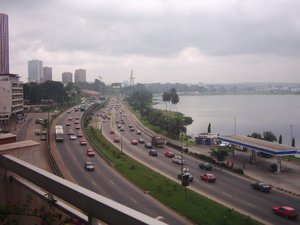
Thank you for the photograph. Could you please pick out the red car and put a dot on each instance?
(68, 124)
(116, 140)
(83, 142)
(79, 134)
(70, 132)
(70, 118)
(77, 127)
(285, 211)
(134, 142)
(90, 152)
(169, 154)
(208, 177)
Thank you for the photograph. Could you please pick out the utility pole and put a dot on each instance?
(291, 134)
(234, 126)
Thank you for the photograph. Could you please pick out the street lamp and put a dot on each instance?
(234, 126)
(121, 141)
(291, 134)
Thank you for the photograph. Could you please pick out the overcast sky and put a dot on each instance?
(186, 41)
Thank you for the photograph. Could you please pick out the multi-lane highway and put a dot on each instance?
(104, 180)
(229, 189)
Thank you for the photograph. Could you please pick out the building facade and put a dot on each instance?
(80, 75)
(35, 71)
(11, 96)
(47, 73)
(4, 44)
(66, 77)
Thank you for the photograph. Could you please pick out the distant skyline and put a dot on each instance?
(191, 41)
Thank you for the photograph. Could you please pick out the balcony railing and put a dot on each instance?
(94, 206)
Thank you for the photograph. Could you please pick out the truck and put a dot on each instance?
(59, 133)
(158, 141)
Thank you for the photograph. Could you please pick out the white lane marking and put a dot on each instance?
(133, 200)
(227, 194)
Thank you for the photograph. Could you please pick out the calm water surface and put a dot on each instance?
(252, 112)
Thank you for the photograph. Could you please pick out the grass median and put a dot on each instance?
(193, 206)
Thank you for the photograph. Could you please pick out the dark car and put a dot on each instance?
(153, 152)
(261, 186)
(190, 176)
(43, 137)
(205, 166)
(285, 211)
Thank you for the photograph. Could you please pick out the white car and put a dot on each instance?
(178, 159)
(72, 137)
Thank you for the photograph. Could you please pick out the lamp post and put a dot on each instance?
(121, 141)
(234, 126)
(291, 134)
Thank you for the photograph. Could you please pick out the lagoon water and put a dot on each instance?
(254, 113)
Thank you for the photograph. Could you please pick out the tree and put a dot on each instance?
(219, 154)
(280, 139)
(293, 142)
(269, 136)
(167, 98)
(209, 128)
(174, 96)
(255, 135)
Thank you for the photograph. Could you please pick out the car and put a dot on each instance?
(131, 129)
(122, 129)
(39, 132)
(186, 173)
(141, 141)
(112, 132)
(261, 186)
(130, 126)
(148, 145)
(153, 152)
(119, 126)
(83, 142)
(205, 166)
(43, 137)
(116, 140)
(70, 118)
(79, 134)
(76, 122)
(72, 137)
(77, 127)
(70, 132)
(68, 123)
(77, 118)
(90, 152)
(178, 159)
(285, 211)
(241, 148)
(169, 154)
(138, 132)
(208, 177)
(134, 142)
(89, 166)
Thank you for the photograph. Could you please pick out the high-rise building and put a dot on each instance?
(11, 97)
(80, 75)
(66, 77)
(4, 46)
(35, 71)
(47, 73)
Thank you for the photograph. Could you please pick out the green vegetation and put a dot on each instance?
(165, 122)
(267, 136)
(196, 208)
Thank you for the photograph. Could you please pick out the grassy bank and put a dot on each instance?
(195, 207)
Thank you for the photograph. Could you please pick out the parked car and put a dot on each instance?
(186, 173)
(169, 154)
(134, 142)
(153, 152)
(241, 148)
(90, 152)
(89, 166)
(148, 145)
(205, 166)
(261, 186)
(141, 140)
(208, 177)
(285, 211)
(83, 142)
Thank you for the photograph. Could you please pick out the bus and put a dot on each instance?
(59, 133)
